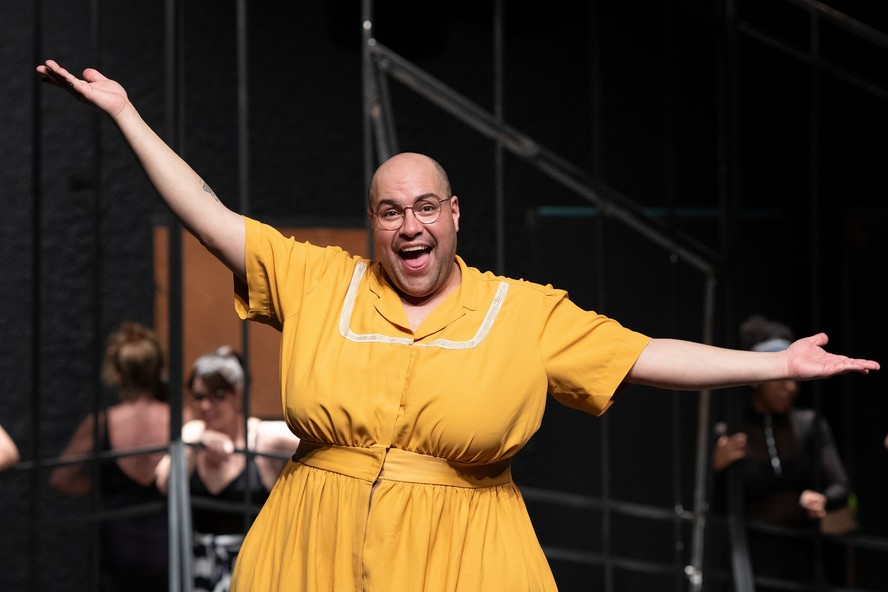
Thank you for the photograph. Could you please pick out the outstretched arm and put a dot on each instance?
(189, 198)
(685, 365)
(9, 452)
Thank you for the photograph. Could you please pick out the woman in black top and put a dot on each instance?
(133, 546)
(790, 470)
(228, 485)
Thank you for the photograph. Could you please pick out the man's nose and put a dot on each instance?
(411, 222)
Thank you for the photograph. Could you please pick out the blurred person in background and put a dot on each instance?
(133, 549)
(791, 471)
(9, 452)
(220, 469)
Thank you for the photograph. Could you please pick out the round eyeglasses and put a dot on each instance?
(214, 397)
(426, 209)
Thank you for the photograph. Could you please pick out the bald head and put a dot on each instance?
(419, 258)
(404, 167)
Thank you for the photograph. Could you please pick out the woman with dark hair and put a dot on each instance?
(790, 470)
(221, 467)
(133, 548)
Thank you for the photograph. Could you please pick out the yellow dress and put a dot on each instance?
(402, 479)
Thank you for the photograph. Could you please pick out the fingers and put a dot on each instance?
(54, 74)
(814, 502)
(858, 365)
(55, 71)
(738, 440)
(734, 441)
(729, 449)
(52, 68)
(46, 67)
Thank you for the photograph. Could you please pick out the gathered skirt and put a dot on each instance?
(385, 520)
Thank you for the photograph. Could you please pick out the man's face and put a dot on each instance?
(418, 258)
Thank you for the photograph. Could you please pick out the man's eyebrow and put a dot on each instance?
(416, 199)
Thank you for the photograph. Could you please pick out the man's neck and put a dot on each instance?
(419, 308)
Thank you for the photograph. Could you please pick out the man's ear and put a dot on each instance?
(454, 210)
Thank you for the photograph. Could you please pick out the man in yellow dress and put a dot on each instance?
(413, 379)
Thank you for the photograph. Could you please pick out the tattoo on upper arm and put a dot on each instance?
(209, 190)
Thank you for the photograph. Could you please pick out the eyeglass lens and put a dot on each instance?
(217, 395)
(426, 210)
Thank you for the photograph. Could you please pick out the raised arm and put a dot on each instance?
(187, 195)
(685, 365)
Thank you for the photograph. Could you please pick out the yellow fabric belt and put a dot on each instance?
(394, 464)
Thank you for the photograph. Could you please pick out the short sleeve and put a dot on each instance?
(280, 271)
(586, 355)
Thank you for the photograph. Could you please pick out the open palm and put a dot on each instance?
(808, 360)
(93, 89)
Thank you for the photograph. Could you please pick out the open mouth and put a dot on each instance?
(414, 252)
(415, 257)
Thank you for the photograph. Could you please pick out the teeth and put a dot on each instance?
(412, 249)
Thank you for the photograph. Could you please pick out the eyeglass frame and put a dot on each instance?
(402, 210)
(217, 396)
